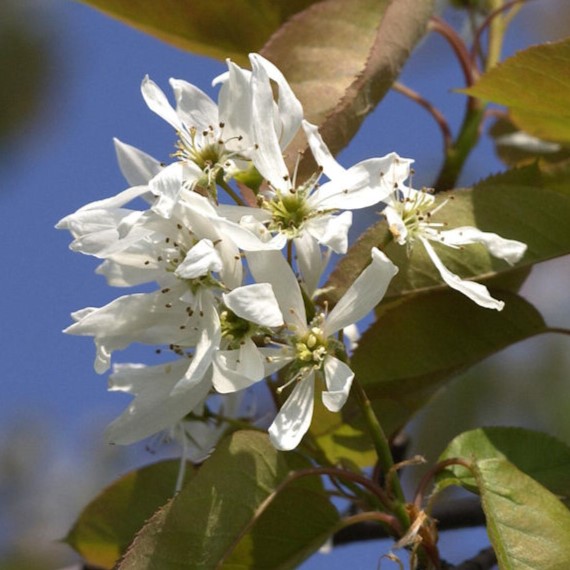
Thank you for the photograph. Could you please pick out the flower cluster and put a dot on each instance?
(234, 284)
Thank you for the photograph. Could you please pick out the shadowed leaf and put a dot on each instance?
(109, 523)
(221, 29)
(418, 344)
(209, 523)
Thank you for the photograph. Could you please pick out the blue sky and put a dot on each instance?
(65, 158)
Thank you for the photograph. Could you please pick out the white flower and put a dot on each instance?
(409, 215)
(308, 213)
(310, 348)
(216, 140)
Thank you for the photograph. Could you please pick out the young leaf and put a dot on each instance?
(541, 107)
(220, 29)
(418, 344)
(342, 58)
(109, 523)
(518, 474)
(214, 520)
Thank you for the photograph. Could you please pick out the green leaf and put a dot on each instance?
(415, 346)
(525, 204)
(208, 524)
(341, 443)
(220, 29)
(539, 455)
(109, 523)
(342, 58)
(541, 107)
(528, 526)
(517, 473)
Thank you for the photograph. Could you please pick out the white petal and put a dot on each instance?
(338, 377)
(201, 259)
(167, 185)
(289, 107)
(351, 336)
(256, 303)
(508, 249)
(238, 369)
(137, 166)
(271, 267)
(157, 102)
(154, 409)
(208, 344)
(113, 202)
(294, 417)
(475, 291)
(310, 260)
(331, 231)
(147, 318)
(234, 102)
(267, 155)
(362, 185)
(193, 106)
(321, 152)
(396, 224)
(364, 294)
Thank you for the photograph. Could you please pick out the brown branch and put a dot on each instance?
(464, 513)
(430, 108)
(469, 68)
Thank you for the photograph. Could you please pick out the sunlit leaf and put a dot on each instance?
(221, 29)
(340, 441)
(109, 523)
(342, 57)
(517, 473)
(526, 204)
(416, 345)
(541, 106)
(539, 455)
(209, 523)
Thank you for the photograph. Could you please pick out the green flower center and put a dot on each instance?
(289, 212)
(235, 329)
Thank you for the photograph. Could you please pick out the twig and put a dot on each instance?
(464, 513)
(469, 68)
(430, 108)
(475, 48)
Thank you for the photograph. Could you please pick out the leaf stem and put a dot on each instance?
(427, 478)
(459, 151)
(382, 447)
(496, 31)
